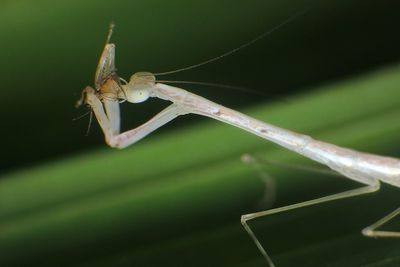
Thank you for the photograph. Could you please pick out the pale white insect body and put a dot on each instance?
(104, 100)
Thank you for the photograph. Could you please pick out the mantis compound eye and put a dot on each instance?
(135, 94)
(139, 87)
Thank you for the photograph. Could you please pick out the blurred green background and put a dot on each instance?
(176, 198)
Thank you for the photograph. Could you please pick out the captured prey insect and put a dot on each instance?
(110, 90)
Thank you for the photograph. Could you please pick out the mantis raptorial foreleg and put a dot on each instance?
(109, 109)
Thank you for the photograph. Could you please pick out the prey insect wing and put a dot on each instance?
(106, 80)
(106, 67)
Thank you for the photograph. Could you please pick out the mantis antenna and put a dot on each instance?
(230, 52)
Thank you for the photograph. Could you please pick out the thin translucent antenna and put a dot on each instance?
(90, 122)
(290, 19)
(81, 116)
(225, 86)
(90, 113)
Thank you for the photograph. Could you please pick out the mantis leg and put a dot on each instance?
(371, 231)
(111, 108)
(369, 188)
(90, 98)
(107, 114)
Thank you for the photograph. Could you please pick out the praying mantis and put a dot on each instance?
(110, 90)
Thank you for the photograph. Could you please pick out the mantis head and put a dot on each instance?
(139, 87)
